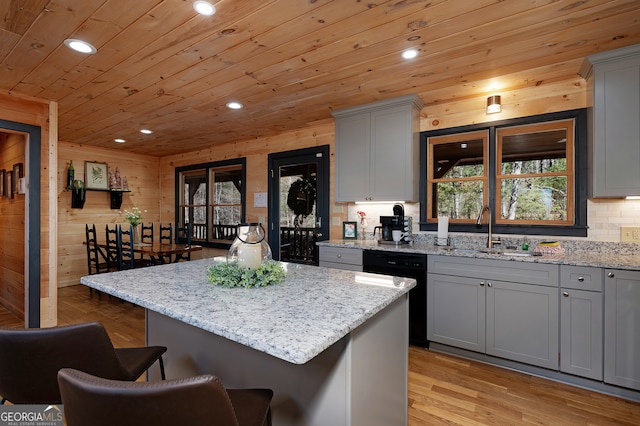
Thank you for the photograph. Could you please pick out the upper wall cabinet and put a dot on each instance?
(377, 151)
(614, 80)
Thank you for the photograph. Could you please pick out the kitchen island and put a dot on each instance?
(333, 345)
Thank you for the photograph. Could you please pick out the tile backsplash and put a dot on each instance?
(604, 217)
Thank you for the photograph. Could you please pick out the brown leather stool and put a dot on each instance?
(197, 401)
(31, 358)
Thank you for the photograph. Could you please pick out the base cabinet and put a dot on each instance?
(479, 305)
(456, 311)
(522, 323)
(622, 328)
(581, 319)
(340, 258)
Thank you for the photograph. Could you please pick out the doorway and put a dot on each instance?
(298, 203)
(30, 215)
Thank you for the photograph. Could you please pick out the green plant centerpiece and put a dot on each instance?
(232, 275)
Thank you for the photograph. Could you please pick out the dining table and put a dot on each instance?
(161, 253)
(158, 253)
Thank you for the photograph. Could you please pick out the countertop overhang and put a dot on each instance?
(294, 320)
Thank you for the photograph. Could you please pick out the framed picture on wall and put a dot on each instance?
(349, 230)
(8, 187)
(96, 175)
(17, 172)
(2, 183)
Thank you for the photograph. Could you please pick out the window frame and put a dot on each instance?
(580, 185)
(208, 168)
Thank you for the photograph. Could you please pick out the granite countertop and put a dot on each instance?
(294, 320)
(594, 255)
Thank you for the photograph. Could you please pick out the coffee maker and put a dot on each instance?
(390, 223)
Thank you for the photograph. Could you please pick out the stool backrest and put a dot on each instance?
(90, 400)
(30, 360)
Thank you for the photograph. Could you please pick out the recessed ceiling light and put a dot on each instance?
(409, 53)
(204, 8)
(234, 105)
(146, 131)
(80, 46)
(119, 140)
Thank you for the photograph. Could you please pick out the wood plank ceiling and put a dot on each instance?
(161, 66)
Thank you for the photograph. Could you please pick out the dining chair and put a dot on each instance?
(147, 233)
(166, 237)
(126, 259)
(31, 357)
(111, 234)
(189, 401)
(183, 235)
(166, 233)
(97, 259)
(146, 237)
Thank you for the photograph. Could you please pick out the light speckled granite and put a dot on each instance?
(295, 320)
(601, 255)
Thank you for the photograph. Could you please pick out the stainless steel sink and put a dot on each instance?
(517, 253)
(496, 252)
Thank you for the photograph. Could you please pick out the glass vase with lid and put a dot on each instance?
(249, 249)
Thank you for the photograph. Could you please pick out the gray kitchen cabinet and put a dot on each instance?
(622, 328)
(502, 308)
(340, 258)
(614, 83)
(377, 151)
(581, 319)
(522, 323)
(456, 311)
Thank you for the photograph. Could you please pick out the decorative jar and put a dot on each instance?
(249, 249)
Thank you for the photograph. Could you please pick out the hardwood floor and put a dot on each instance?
(443, 390)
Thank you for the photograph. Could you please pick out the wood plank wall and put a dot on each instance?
(143, 179)
(32, 111)
(12, 229)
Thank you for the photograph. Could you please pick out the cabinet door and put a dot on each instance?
(394, 155)
(522, 323)
(581, 333)
(456, 311)
(616, 143)
(353, 157)
(622, 328)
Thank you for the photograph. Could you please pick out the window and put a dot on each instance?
(531, 172)
(211, 198)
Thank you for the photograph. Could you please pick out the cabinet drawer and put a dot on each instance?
(489, 269)
(581, 277)
(351, 256)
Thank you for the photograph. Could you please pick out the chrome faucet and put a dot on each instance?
(490, 240)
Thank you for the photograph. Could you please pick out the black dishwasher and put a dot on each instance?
(409, 265)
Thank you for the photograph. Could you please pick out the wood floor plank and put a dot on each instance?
(443, 389)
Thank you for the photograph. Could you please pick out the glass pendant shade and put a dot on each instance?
(249, 249)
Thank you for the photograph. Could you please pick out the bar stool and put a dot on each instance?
(30, 359)
(193, 401)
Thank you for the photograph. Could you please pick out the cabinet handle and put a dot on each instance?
(481, 283)
(581, 279)
(489, 284)
(565, 294)
(339, 256)
(610, 275)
